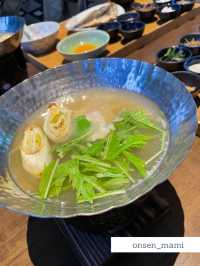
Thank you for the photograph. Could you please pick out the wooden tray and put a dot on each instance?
(119, 49)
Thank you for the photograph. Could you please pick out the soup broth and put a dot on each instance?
(109, 104)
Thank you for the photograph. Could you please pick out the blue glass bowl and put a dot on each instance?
(11, 24)
(121, 74)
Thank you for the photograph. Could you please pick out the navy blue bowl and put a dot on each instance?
(161, 4)
(194, 49)
(147, 13)
(189, 79)
(172, 66)
(128, 17)
(132, 30)
(11, 24)
(169, 15)
(112, 28)
(192, 61)
(186, 5)
(124, 3)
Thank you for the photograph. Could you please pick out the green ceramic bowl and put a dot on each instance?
(96, 38)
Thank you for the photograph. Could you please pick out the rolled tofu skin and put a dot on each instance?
(57, 123)
(35, 151)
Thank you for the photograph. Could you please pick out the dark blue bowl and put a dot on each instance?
(190, 80)
(162, 3)
(128, 17)
(132, 30)
(146, 11)
(191, 61)
(194, 49)
(169, 15)
(111, 28)
(11, 24)
(186, 5)
(172, 66)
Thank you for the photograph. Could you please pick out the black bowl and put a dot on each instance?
(162, 3)
(124, 3)
(194, 49)
(128, 17)
(172, 66)
(146, 11)
(112, 28)
(165, 16)
(132, 30)
(192, 61)
(189, 79)
(186, 5)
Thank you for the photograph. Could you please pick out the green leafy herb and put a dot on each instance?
(81, 126)
(95, 148)
(112, 146)
(138, 163)
(47, 178)
(173, 54)
(103, 167)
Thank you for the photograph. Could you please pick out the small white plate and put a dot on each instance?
(72, 23)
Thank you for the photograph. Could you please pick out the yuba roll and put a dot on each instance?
(57, 123)
(35, 150)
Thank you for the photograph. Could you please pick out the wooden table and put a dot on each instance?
(152, 31)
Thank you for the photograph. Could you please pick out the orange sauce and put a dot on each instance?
(85, 47)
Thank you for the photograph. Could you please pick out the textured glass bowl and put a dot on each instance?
(123, 74)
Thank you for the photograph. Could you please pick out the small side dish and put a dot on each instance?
(83, 45)
(192, 41)
(173, 58)
(191, 81)
(193, 64)
(173, 55)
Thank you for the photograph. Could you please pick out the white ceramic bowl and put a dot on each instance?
(40, 37)
(67, 46)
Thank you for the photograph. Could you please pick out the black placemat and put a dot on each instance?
(58, 242)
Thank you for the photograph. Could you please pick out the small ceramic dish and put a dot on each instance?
(186, 5)
(161, 3)
(166, 58)
(83, 45)
(40, 37)
(191, 81)
(193, 64)
(128, 17)
(146, 11)
(132, 30)
(169, 12)
(191, 41)
(112, 28)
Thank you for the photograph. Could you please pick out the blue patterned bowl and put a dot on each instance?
(122, 74)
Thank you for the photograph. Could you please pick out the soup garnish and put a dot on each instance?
(99, 167)
(89, 146)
